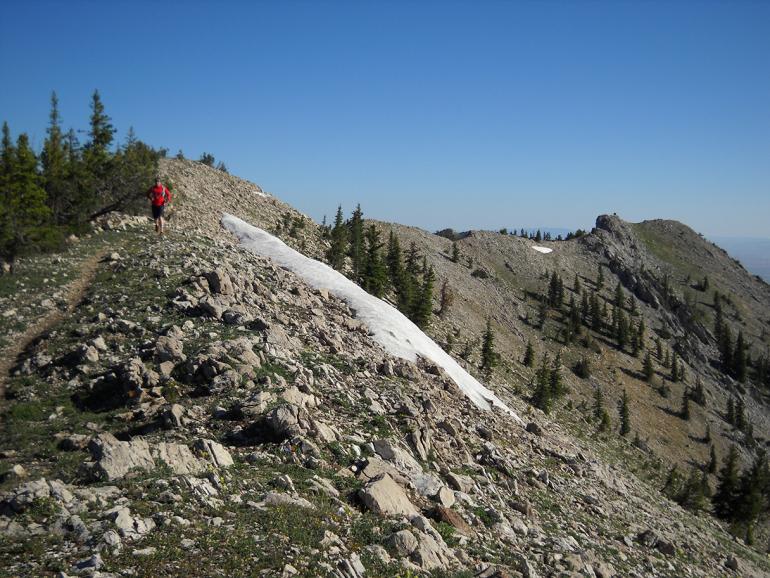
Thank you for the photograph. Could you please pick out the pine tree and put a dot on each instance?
(97, 156)
(684, 412)
(529, 355)
(740, 415)
(554, 379)
(658, 349)
(647, 368)
(728, 487)
(726, 348)
(424, 304)
(674, 368)
(455, 252)
(24, 217)
(598, 402)
(600, 278)
(739, 359)
(356, 248)
(625, 418)
(698, 394)
(541, 398)
(446, 298)
(730, 413)
(597, 319)
(553, 291)
(339, 241)
(576, 287)
(620, 298)
(585, 308)
(53, 162)
(375, 277)
(753, 492)
(712, 465)
(707, 435)
(488, 355)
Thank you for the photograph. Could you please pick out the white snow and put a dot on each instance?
(542, 249)
(388, 326)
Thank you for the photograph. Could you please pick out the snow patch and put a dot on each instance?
(389, 327)
(542, 249)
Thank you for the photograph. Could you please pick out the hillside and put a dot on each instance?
(196, 409)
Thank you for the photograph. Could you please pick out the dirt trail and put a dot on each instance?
(73, 294)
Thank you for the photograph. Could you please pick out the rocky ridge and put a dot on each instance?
(206, 411)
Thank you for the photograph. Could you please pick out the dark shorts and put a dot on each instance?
(157, 212)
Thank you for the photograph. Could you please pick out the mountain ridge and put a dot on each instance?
(269, 434)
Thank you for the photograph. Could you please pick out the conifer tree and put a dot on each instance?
(446, 298)
(356, 248)
(424, 304)
(554, 379)
(740, 415)
(684, 411)
(97, 156)
(598, 402)
(739, 359)
(53, 162)
(728, 487)
(674, 368)
(726, 348)
(455, 252)
(647, 369)
(24, 217)
(600, 278)
(488, 355)
(576, 287)
(658, 349)
(620, 298)
(585, 308)
(730, 413)
(753, 492)
(597, 318)
(625, 417)
(375, 277)
(339, 241)
(698, 394)
(529, 355)
(712, 465)
(541, 398)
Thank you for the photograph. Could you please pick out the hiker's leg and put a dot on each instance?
(161, 225)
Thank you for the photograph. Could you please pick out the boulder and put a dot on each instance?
(114, 459)
(385, 497)
(220, 282)
(169, 348)
(214, 452)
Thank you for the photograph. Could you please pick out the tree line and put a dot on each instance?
(357, 250)
(46, 195)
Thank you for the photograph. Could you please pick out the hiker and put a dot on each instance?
(159, 196)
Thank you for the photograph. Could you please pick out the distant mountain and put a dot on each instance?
(752, 252)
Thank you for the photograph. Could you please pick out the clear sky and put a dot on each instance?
(436, 114)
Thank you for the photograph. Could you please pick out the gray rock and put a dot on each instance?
(114, 458)
(214, 452)
(403, 543)
(169, 348)
(385, 497)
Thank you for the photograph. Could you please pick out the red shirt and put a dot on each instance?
(159, 195)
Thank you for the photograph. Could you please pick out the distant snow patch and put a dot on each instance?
(390, 328)
(542, 249)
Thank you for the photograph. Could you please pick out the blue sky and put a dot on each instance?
(436, 114)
